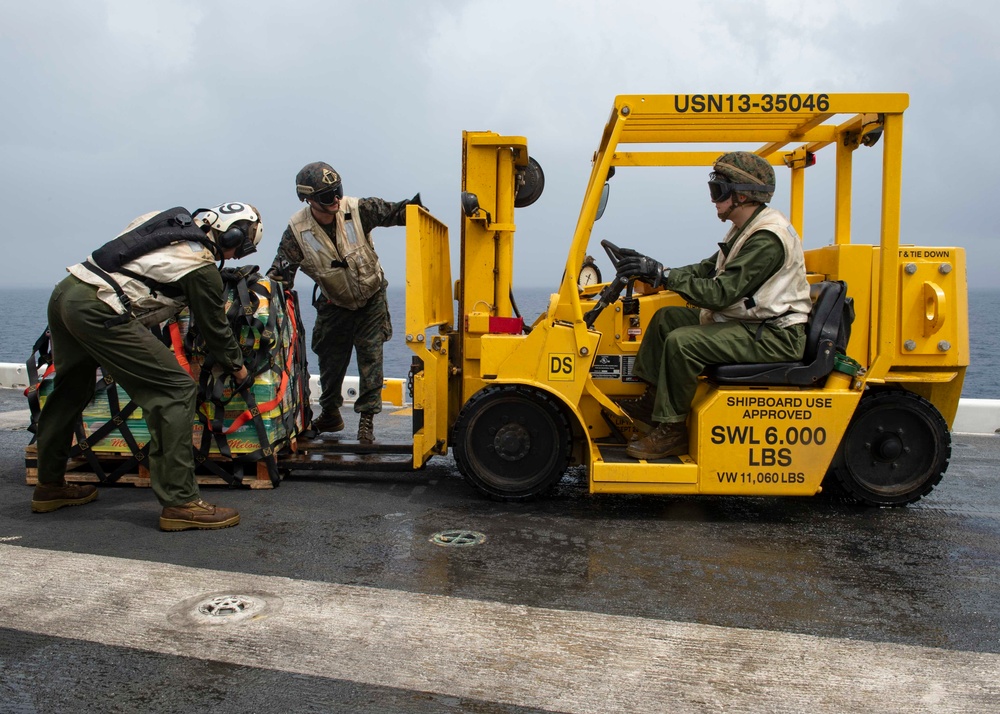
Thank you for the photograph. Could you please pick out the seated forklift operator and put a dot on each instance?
(749, 302)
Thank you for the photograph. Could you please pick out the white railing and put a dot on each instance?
(15, 376)
(975, 416)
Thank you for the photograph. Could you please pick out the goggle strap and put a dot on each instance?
(743, 186)
(751, 187)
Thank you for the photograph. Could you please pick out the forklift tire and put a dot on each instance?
(511, 442)
(895, 449)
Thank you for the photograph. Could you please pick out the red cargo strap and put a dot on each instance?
(178, 344)
(264, 408)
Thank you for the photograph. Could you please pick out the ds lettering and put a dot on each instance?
(561, 367)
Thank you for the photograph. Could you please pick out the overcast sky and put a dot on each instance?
(112, 108)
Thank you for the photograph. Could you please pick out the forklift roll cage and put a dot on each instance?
(791, 139)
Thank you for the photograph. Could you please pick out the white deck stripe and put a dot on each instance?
(552, 659)
(15, 420)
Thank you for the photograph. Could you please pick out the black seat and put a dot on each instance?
(821, 347)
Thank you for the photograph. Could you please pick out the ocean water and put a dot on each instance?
(22, 320)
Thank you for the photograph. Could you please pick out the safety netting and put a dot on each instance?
(235, 424)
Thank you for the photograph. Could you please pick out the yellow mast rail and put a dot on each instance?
(694, 107)
(676, 158)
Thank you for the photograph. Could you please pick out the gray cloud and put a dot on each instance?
(118, 107)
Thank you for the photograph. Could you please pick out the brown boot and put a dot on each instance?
(328, 422)
(665, 440)
(197, 514)
(47, 498)
(366, 429)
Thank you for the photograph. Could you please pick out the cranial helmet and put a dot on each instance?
(318, 181)
(233, 225)
(742, 172)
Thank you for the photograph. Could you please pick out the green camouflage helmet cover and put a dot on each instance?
(315, 177)
(745, 167)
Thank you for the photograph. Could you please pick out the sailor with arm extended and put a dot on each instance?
(330, 239)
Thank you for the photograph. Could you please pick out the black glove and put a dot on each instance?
(642, 267)
(241, 273)
(399, 212)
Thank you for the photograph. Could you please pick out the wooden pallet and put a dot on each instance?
(254, 473)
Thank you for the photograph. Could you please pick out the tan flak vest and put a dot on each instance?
(348, 273)
(164, 265)
(783, 299)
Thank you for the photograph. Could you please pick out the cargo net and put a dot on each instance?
(235, 424)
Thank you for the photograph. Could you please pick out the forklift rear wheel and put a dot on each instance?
(895, 450)
(512, 442)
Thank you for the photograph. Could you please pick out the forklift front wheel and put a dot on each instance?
(512, 442)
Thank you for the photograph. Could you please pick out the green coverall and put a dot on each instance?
(145, 368)
(676, 348)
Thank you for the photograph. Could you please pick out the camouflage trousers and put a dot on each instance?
(338, 331)
(676, 348)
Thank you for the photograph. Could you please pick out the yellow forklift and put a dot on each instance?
(518, 404)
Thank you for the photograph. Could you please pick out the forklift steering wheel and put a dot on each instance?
(616, 255)
(613, 289)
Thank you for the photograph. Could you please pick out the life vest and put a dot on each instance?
(347, 271)
(783, 299)
(135, 272)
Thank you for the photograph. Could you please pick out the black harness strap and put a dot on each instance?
(298, 377)
(84, 442)
(233, 479)
(257, 341)
(266, 450)
(155, 286)
(119, 420)
(41, 354)
(83, 447)
(213, 428)
(122, 297)
(172, 226)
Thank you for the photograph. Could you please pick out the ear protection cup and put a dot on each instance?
(233, 238)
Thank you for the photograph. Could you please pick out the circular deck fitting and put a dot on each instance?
(222, 609)
(226, 605)
(458, 538)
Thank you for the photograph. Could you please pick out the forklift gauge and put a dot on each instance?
(590, 274)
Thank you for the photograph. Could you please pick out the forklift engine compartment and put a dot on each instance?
(520, 404)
